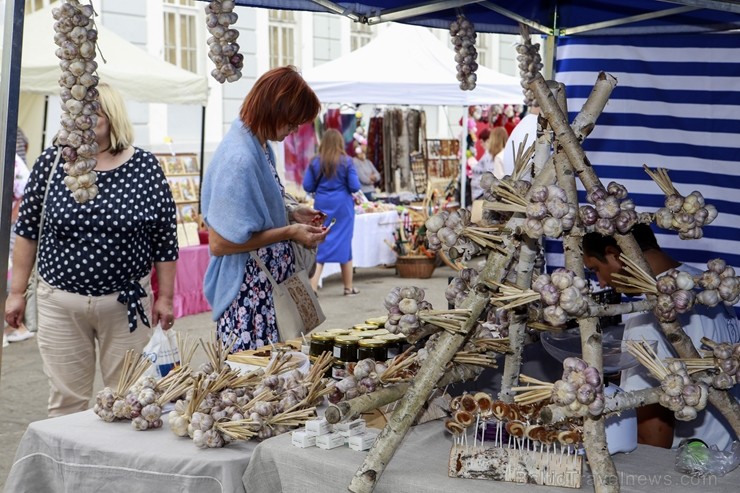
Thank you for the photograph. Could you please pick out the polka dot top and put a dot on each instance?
(97, 247)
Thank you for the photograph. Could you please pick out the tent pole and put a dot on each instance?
(9, 93)
(43, 124)
(463, 156)
(202, 149)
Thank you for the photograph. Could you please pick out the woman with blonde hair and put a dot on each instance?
(332, 177)
(95, 259)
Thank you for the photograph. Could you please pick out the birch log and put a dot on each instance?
(618, 402)
(594, 430)
(352, 408)
(429, 374)
(517, 324)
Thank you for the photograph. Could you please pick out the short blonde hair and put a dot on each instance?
(113, 107)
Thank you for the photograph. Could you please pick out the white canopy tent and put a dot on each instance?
(138, 75)
(406, 65)
(134, 72)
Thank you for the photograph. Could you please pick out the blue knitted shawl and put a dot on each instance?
(239, 197)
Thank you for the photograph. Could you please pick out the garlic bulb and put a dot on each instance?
(223, 49)
(530, 63)
(580, 390)
(76, 37)
(463, 35)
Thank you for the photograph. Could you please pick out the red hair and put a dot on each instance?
(280, 97)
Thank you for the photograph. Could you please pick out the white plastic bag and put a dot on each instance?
(162, 351)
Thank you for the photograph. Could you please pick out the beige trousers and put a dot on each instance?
(69, 327)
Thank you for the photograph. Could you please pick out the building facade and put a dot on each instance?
(175, 31)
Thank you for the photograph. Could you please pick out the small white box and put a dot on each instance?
(363, 442)
(329, 441)
(351, 428)
(318, 427)
(301, 439)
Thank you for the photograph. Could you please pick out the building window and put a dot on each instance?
(482, 45)
(282, 37)
(360, 35)
(34, 5)
(180, 33)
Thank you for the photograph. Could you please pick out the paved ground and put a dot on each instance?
(24, 390)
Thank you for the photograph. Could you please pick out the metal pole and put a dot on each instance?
(43, 125)
(9, 93)
(463, 156)
(202, 153)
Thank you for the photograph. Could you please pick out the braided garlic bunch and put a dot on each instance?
(530, 63)
(564, 295)
(675, 294)
(687, 215)
(611, 210)
(548, 213)
(76, 37)
(457, 290)
(463, 36)
(403, 305)
(454, 232)
(727, 359)
(680, 394)
(719, 283)
(580, 390)
(223, 49)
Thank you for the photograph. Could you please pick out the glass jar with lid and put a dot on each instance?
(345, 348)
(372, 348)
(321, 342)
(394, 344)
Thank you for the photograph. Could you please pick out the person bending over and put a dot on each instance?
(656, 425)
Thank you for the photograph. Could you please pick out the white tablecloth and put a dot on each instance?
(368, 246)
(80, 453)
(420, 465)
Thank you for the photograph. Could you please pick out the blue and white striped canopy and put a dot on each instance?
(676, 106)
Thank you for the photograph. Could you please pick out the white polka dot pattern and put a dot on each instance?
(95, 248)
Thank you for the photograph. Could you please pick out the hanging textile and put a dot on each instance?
(300, 147)
(375, 149)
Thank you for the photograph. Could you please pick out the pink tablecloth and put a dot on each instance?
(191, 267)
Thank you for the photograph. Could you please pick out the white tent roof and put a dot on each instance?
(134, 72)
(407, 65)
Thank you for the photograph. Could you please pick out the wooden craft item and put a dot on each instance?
(516, 466)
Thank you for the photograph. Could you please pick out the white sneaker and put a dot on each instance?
(18, 335)
(5, 341)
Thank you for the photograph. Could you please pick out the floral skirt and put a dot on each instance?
(251, 316)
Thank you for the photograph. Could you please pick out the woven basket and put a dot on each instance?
(416, 267)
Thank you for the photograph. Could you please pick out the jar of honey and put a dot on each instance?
(372, 348)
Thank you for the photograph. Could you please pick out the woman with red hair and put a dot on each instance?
(243, 204)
